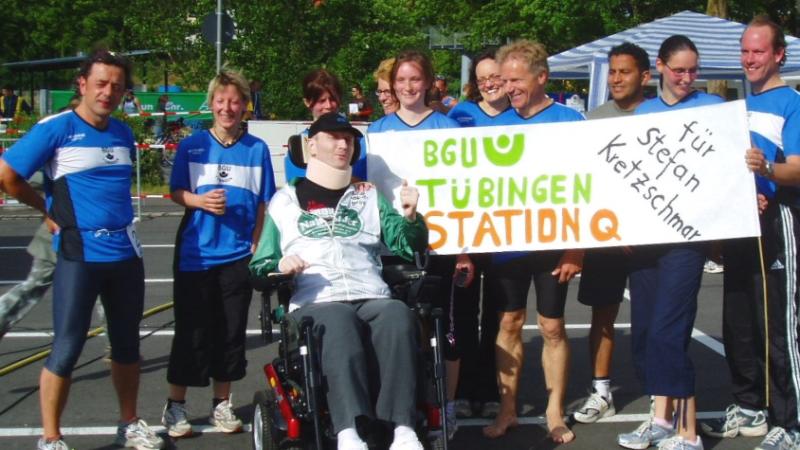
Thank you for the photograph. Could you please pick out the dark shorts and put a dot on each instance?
(210, 325)
(76, 286)
(604, 275)
(510, 283)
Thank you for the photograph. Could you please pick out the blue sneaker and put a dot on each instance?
(735, 423)
(780, 439)
(647, 434)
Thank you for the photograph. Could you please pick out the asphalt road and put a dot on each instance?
(90, 417)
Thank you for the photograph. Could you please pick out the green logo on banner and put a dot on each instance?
(504, 151)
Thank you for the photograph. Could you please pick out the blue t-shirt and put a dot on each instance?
(774, 118)
(470, 114)
(393, 122)
(696, 98)
(359, 168)
(244, 170)
(88, 184)
(556, 112)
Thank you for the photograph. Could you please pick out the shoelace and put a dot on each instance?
(178, 412)
(140, 428)
(226, 410)
(774, 436)
(643, 428)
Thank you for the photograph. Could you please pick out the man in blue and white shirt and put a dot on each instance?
(87, 157)
(761, 274)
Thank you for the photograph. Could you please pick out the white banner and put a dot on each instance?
(678, 176)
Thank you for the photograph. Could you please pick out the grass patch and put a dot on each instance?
(151, 189)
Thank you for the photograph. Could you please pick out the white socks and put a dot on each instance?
(405, 438)
(348, 439)
(602, 386)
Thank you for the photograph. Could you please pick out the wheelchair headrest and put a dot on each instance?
(298, 150)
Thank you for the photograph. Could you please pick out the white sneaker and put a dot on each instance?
(138, 435)
(595, 408)
(678, 443)
(174, 419)
(223, 417)
(712, 267)
(44, 444)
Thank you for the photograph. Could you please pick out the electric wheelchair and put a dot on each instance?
(290, 413)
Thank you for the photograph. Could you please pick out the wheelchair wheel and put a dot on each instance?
(264, 435)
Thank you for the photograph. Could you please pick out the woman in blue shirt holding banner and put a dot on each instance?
(477, 385)
(664, 283)
(411, 80)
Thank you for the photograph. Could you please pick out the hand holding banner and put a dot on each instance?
(677, 176)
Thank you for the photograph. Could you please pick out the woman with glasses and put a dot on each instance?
(664, 283)
(384, 91)
(477, 386)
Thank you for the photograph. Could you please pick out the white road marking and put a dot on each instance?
(146, 280)
(110, 431)
(101, 431)
(23, 247)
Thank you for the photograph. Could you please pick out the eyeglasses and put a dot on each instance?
(380, 92)
(491, 78)
(692, 71)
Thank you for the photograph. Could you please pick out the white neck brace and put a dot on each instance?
(327, 176)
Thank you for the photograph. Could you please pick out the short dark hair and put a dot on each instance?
(634, 51)
(109, 58)
(9, 87)
(778, 38)
(318, 82)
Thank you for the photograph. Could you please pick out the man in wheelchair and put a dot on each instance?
(327, 231)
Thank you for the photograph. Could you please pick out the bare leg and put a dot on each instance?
(126, 383)
(509, 366)
(452, 368)
(53, 393)
(601, 339)
(177, 393)
(686, 425)
(555, 362)
(222, 389)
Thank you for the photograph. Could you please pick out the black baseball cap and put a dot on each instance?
(332, 122)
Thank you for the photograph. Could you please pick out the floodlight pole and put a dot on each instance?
(219, 35)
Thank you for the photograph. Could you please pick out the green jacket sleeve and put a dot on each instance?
(402, 237)
(268, 253)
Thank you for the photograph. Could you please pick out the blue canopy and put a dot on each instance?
(717, 41)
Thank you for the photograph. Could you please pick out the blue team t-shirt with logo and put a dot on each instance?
(774, 120)
(244, 170)
(88, 184)
(470, 114)
(556, 112)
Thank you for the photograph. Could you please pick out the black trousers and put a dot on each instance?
(210, 325)
(744, 330)
(477, 377)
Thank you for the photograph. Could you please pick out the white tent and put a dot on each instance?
(717, 41)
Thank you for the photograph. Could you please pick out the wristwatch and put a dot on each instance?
(770, 169)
